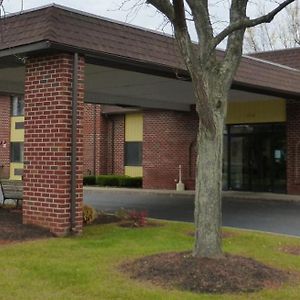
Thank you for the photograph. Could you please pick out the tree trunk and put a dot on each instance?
(208, 201)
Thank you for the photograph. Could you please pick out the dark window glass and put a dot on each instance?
(17, 152)
(19, 125)
(18, 172)
(133, 153)
(17, 106)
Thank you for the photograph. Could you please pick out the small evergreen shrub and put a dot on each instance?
(107, 180)
(89, 180)
(119, 181)
(127, 181)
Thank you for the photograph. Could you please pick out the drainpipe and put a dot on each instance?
(95, 140)
(74, 142)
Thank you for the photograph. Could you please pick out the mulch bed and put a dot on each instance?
(106, 218)
(12, 229)
(294, 250)
(228, 274)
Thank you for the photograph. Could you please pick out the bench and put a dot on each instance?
(12, 190)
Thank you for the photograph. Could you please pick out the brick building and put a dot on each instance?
(81, 95)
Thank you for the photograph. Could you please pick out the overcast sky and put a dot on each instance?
(145, 17)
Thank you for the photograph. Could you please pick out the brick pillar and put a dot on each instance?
(115, 138)
(293, 147)
(95, 140)
(4, 136)
(47, 146)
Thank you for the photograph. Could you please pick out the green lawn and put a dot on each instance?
(86, 267)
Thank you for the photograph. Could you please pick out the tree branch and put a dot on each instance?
(163, 6)
(245, 22)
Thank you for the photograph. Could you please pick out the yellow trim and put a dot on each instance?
(134, 171)
(134, 127)
(265, 111)
(14, 166)
(16, 135)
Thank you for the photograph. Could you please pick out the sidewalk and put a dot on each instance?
(227, 195)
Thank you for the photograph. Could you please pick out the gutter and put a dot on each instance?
(23, 50)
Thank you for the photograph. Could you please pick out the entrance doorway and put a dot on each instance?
(255, 158)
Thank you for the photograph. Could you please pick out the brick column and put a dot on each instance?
(4, 136)
(115, 151)
(293, 147)
(95, 140)
(47, 146)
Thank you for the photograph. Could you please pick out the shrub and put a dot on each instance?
(119, 181)
(127, 181)
(107, 180)
(89, 214)
(89, 180)
(138, 218)
(122, 214)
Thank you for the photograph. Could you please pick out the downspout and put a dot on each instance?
(95, 147)
(74, 142)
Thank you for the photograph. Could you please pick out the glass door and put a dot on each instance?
(255, 158)
(239, 163)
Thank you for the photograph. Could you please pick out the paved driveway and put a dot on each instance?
(267, 216)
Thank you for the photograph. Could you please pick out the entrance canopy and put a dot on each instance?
(125, 65)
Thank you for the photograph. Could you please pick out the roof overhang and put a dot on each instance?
(254, 75)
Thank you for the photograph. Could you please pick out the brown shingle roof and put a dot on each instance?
(91, 34)
(288, 57)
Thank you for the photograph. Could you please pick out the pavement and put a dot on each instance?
(277, 213)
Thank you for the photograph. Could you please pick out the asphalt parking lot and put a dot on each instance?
(271, 216)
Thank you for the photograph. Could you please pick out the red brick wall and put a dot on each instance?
(95, 140)
(115, 143)
(169, 139)
(293, 147)
(47, 146)
(4, 136)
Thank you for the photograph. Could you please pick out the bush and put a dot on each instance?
(107, 180)
(89, 180)
(138, 218)
(89, 214)
(119, 181)
(136, 182)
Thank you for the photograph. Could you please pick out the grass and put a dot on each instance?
(85, 267)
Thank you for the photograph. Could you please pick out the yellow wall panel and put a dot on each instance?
(14, 166)
(134, 171)
(265, 111)
(134, 127)
(16, 135)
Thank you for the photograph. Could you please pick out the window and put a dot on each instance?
(17, 152)
(133, 153)
(17, 105)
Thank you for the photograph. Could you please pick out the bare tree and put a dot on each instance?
(282, 33)
(211, 79)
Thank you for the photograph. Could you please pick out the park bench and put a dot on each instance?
(12, 190)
